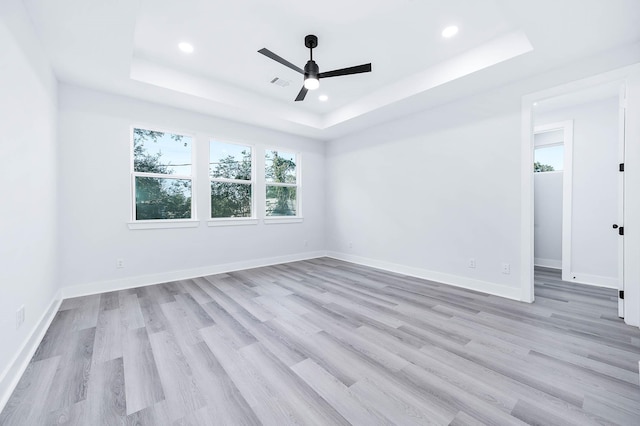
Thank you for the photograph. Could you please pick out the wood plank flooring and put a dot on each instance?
(324, 342)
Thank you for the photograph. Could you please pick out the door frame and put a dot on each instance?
(526, 176)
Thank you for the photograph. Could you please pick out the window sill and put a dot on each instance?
(232, 221)
(282, 219)
(164, 224)
(549, 171)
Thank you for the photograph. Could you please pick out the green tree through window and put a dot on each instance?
(157, 196)
(539, 167)
(231, 180)
(280, 174)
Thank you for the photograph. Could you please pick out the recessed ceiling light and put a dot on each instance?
(186, 47)
(323, 98)
(450, 31)
(535, 104)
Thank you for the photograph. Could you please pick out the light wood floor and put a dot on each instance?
(326, 342)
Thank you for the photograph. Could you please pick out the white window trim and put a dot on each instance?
(550, 172)
(162, 176)
(273, 220)
(134, 223)
(547, 145)
(234, 221)
(298, 185)
(164, 224)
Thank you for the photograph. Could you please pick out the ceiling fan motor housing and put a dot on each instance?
(311, 70)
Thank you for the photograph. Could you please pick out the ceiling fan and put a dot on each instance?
(311, 72)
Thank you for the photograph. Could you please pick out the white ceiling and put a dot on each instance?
(130, 47)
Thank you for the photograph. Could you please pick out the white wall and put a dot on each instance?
(548, 219)
(28, 174)
(424, 194)
(95, 201)
(594, 258)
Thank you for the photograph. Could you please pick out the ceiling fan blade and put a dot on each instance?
(346, 71)
(302, 94)
(269, 54)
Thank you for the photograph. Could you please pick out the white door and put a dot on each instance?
(620, 224)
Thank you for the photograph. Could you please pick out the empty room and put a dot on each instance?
(348, 212)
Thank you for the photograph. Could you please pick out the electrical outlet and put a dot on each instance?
(506, 268)
(306, 243)
(19, 317)
(472, 263)
(350, 244)
(119, 263)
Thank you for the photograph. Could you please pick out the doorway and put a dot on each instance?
(552, 181)
(578, 206)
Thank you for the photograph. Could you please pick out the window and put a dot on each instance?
(548, 155)
(231, 177)
(162, 175)
(549, 158)
(282, 183)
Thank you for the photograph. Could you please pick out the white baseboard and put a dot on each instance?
(594, 280)
(16, 368)
(548, 263)
(450, 279)
(183, 274)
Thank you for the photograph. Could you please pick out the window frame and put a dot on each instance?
(135, 223)
(298, 185)
(234, 221)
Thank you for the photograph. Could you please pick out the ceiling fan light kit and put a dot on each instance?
(311, 83)
(311, 72)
